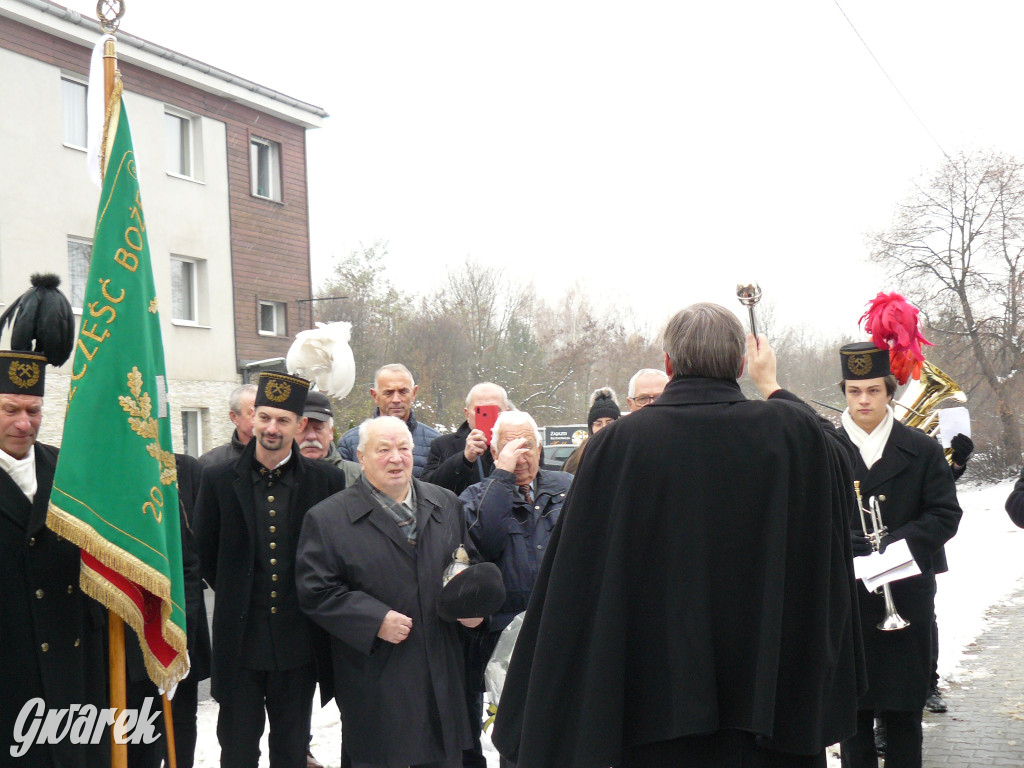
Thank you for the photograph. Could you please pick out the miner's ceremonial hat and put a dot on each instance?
(863, 360)
(42, 331)
(282, 390)
(22, 373)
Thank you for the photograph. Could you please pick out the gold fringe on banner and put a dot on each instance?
(85, 537)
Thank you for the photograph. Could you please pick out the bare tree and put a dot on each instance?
(957, 250)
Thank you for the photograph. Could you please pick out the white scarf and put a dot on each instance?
(22, 471)
(871, 444)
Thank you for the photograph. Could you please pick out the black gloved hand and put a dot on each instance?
(962, 447)
(861, 545)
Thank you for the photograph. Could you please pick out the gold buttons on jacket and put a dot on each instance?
(273, 561)
(273, 595)
(273, 610)
(44, 647)
(273, 577)
(273, 529)
(78, 641)
(270, 499)
(32, 541)
(273, 513)
(71, 589)
(40, 594)
(273, 545)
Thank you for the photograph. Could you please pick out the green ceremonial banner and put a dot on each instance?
(115, 493)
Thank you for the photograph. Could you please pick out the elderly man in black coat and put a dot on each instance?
(369, 571)
(906, 470)
(696, 605)
(249, 514)
(52, 638)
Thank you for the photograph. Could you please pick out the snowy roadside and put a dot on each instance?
(986, 564)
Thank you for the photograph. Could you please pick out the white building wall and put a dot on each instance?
(46, 196)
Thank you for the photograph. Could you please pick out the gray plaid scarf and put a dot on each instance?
(402, 512)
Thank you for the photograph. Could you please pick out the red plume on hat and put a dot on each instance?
(892, 323)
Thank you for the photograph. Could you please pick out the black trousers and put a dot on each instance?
(183, 709)
(722, 749)
(903, 741)
(287, 699)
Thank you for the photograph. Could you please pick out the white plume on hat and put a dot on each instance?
(323, 356)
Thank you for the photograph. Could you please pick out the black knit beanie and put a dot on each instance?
(602, 404)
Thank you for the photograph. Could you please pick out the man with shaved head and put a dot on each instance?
(393, 393)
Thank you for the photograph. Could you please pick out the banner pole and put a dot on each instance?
(118, 687)
(115, 624)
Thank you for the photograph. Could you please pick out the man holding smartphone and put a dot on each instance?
(459, 459)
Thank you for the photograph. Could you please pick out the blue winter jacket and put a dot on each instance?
(512, 534)
(422, 437)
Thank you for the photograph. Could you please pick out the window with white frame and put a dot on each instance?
(73, 102)
(184, 289)
(272, 318)
(79, 256)
(192, 431)
(265, 161)
(178, 138)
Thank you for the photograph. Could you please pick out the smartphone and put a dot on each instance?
(486, 415)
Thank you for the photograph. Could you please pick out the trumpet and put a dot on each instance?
(892, 620)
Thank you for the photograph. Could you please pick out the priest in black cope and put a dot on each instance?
(696, 605)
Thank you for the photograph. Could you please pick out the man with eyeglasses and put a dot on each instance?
(644, 388)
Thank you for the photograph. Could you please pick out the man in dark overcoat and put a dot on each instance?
(906, 471)
(369, 572)
(249, 516)
(52, 638)
(696, 605)
(461, 458)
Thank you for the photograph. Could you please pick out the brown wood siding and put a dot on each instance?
(269, 240)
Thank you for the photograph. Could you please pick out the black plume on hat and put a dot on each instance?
(42, 315)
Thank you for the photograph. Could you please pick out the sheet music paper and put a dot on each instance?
(880, 568)
(952, 422)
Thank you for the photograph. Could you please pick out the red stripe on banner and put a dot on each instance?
(145, 601)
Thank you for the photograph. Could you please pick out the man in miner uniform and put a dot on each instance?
(249, 514)
(51, 634)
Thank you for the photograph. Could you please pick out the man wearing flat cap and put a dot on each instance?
(316, 441)
(249, 515)
(905, 470)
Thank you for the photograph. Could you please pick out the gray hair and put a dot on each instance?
(506, 404)
(235, 398)
(705, 340)
(371, 426)
(395, 368)
(631, 389)
(514, 419)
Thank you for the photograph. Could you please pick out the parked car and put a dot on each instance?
(555, 456)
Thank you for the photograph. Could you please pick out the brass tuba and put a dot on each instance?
(921, 398)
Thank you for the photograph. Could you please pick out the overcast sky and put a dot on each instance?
(660, 152)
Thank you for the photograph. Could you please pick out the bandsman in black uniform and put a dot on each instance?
(250, 512)
(908, 469)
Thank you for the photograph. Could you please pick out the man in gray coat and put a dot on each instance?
(369, 571)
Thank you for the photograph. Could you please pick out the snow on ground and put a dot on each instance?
(986, 564)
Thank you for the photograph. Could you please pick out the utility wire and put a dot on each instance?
(893, 84)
